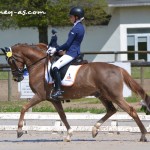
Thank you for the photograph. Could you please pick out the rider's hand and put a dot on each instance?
(51, 51)
(61, 52)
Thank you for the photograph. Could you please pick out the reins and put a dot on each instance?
(36, 62)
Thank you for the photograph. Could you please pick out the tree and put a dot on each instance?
(42, 13)
(6, 19)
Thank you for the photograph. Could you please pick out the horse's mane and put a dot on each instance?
(22, 44)
(39, 46)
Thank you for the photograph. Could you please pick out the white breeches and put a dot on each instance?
(65, 59)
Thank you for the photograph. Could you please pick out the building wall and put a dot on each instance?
(132, 17)
(11, 37)
(111, 38)
(97, 38)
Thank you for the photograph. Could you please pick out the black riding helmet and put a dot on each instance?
(77, 11)
(54, 31)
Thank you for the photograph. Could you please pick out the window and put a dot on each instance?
(131, 47)
(138, 39)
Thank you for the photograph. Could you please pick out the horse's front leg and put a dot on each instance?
(60, 110)
(35, 100)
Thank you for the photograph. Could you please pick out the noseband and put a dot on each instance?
(18, 72)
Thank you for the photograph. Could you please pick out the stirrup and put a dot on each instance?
(56, 95)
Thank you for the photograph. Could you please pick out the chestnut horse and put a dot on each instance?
(99, 79)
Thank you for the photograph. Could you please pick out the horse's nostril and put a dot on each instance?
(18, 79)
(15, 80)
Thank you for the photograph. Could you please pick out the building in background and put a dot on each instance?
(131, 22)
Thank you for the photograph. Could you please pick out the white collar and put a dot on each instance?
(78, 21)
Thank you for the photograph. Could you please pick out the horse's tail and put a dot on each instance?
(136, 88)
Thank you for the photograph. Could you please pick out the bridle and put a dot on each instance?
(20, 71)
(17, 72)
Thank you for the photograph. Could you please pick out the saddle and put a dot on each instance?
(77, 61)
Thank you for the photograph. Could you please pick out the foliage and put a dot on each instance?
(6, 20)
(56, 12)
(42, 13)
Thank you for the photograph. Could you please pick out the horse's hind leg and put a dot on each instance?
(110, 111)
(35, 100)
(132, 112)
(60, 110)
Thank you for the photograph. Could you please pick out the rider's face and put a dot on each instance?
(72, 19)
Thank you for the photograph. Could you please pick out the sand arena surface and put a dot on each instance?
(80, 141)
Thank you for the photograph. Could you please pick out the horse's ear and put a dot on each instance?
(7, 49)
(4, 51)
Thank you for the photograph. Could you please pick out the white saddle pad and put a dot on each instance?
(69, 78)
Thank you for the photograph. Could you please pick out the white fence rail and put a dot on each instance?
(58, 126)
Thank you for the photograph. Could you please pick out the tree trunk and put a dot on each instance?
(43, 34)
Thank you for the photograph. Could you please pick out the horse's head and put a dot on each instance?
(16, 63)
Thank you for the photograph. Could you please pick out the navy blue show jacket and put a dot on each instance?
(75, 37)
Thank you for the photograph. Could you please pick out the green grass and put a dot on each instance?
(133, 99)
(91, 110)
(3, 75)
(15, 106)
(135, 73)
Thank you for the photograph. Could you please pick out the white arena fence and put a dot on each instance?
(58, 126)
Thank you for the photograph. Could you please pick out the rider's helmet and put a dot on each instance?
(54, 31)
(77, 11)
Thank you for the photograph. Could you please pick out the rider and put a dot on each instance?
(72, 47)
(53, 41)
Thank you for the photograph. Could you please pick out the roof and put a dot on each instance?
(127, 3)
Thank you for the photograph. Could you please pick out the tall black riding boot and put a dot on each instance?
(57, 80)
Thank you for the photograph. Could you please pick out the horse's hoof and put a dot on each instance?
(19, 134)
(143, 139)
(94, 132)
(67, 139)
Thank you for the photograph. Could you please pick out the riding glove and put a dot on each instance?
(51, 51)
